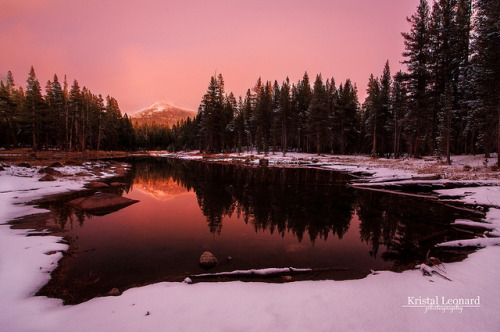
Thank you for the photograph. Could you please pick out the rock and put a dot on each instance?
(26, 165)
(101, 202)
(120, 172)
(426, 177)
(1, 168)
(83, 174)
(263, 162)
(229, 258)
(49, 171)
(207, 260)
(431, 261)
(47, 177)
(73, 162)
(114, 292)
(56, 164)
(117, 184)
(96, 185)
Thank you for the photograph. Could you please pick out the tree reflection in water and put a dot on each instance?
(302, 201)
(309, 201)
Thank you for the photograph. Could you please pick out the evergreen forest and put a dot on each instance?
(446, 102)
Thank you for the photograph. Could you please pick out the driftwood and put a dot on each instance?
(264, 274)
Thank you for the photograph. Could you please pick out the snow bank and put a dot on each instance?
(381, 302)
(489, 196)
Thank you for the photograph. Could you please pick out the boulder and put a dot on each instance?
(96, 185)
(263, 162)
(83, 174)
(56, 164)
(72, 162)
(49, 171)
(47, 177)
(114, 292)
(101, 203)
(207, 260)
(26, 165)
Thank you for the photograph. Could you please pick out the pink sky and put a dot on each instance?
(143, 51)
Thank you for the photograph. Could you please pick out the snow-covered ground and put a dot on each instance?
(462, 167)
(383, 301)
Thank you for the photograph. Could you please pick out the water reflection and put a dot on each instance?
(261, 216)
(301, 201)
(310, 202)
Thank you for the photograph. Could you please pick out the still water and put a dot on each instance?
(249, 218)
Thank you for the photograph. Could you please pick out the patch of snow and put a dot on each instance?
(466, 222)
(489, 196)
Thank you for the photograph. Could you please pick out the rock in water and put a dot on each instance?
(47, 177)
(97, 185)
(114, 292)
(49, 171)
(207, 260)
(101, 202)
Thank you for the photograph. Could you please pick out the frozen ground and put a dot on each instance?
(383, 301)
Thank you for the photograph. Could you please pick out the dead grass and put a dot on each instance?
(47, 157)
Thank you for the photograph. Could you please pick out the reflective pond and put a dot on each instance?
(249, 218)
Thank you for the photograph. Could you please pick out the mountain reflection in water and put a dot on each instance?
(260, 216)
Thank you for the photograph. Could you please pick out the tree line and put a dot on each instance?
(66, 118)
(446, 102)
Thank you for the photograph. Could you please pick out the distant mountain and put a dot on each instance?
(162, 113)
(161, 190)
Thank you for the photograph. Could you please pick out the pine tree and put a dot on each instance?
(332, 95)
(372, 109)
(112, 124)
(57, 108)
(303, 99)
(34, 104)
(75, 107)
(227, 118)
(210, 113)
(399, 106)
(417, 51)
(317, 116)
(444, 69)
(462, 38)
(9, 107)
(346, 117)
(486, 62)
(284, 113)
(385, 128)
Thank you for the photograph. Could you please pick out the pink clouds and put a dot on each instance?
(140, 52)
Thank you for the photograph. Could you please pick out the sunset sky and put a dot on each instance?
(143, 51)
